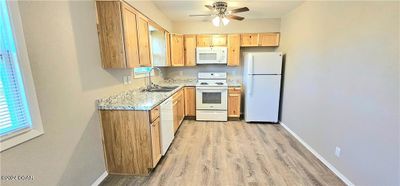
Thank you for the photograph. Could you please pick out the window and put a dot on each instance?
(142, 72)
(19, 112)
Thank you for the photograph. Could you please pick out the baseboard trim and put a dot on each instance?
(100, 179)
(315, 153)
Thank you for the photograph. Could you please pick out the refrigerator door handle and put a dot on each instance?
(250, 70)
(250, 82)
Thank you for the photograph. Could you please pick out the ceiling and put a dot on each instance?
(179, 10)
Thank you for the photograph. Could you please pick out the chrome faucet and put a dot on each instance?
(150, 84)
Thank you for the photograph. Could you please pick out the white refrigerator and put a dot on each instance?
(262, 86)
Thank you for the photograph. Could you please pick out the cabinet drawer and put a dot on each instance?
(234, 90)
(154, 113)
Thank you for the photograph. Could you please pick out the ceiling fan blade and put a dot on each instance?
(235, 17)
(209, 7)
(237, 10)
(197, 15)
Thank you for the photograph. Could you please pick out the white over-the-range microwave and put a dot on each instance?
(211, 55)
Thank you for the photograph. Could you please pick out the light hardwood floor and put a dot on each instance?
(234, 153)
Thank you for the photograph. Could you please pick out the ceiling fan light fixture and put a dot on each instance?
(225, 21)
(216, 21)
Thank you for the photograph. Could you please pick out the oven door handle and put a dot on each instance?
(212, 88)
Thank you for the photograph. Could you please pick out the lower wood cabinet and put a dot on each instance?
(190, 101)
(234, 101)
(155, 141)
(178, 108)
(131, 141)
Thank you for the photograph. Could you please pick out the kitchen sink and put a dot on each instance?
(160, 89)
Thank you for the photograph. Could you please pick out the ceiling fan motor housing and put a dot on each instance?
(220, 6)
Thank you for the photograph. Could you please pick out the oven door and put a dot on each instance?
(211, 98)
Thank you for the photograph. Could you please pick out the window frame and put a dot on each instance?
(36, 129)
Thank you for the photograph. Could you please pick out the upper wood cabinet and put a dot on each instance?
(259, 39)
(269, 39)
(190, 50)
(168, 49)
(177, 50)
(233, 50)
(130, 36)
(111, 34)
(144, 42)
(248, 40)
(190, 101)
(211, 40)
(123, 35)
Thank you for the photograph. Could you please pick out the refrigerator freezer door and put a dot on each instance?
(262, 98)
(266, 63)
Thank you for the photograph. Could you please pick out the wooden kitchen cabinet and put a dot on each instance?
(178, 107)
(259, 39)
(177, 50)
(233, 50)
(234, 101)
(190, 101)
(111, 34)
(143, 42)
(155, 141)
(190, 50)
(247, 40)
(123, 35)
(204, 40)
(130, 36)
(168, 49)
(131, 141)
(211, 40)
(269, 39)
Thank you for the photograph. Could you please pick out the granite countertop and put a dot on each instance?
(136, 99)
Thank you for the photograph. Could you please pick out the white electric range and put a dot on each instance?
(211, 96)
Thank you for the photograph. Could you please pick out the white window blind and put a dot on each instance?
(14, 112)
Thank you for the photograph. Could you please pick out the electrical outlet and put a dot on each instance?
(125, 78)
(337, 152)
(129, 79)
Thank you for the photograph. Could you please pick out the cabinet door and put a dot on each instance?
(204, 40)
(175, 114)
(234, 99)
(155, 141)
(218, 40)
(144, 43)
(190, 101)
(177, 50)
(130, 36)
(190, 50)
(233, 50)
(168, 46)
(248, 40)
(182, 108)
(109, 28)
(269, 39)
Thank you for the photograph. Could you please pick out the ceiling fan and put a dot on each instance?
(220, 10)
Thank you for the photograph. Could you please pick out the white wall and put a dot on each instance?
(151, 11)
(248, 26)
(342, 85)
(63, 49)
